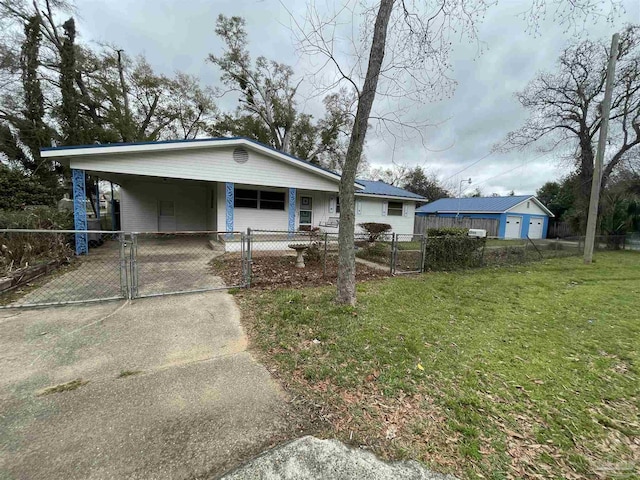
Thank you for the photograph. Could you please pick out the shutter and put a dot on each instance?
(405, 209)
(332, 204)
(359, 207)
(385, 206)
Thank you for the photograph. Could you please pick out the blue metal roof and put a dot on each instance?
(474, 204)
(381, 188)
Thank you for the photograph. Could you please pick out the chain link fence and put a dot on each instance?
(39, 267)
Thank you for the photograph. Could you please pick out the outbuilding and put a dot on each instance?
(518, 216)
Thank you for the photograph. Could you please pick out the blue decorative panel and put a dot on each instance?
(80, 211)
(229, 194)
(292, 209)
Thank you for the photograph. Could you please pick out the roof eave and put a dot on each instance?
(392, 197)
(66, 153)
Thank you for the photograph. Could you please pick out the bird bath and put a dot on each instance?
(300, 248)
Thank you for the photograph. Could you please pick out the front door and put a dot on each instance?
(166, 216)
(306, 212)
(514, 225)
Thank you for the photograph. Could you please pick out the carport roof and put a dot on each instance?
(479, 204)
(126, 147)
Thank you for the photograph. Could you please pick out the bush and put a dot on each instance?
(453, 252)
(374, 230)
(448, 232)
(18, 190)
(313, 253)
(37, 218)
(18, 250)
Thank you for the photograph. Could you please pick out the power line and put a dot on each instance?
(468, 166)
(523, 164)
(474, 163)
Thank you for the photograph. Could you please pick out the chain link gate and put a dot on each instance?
(168, 263)
(407, 253)
(40, 267)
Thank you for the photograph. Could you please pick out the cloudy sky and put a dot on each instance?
(178, 35)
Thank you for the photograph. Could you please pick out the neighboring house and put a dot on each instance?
(225, 184)
(519, 216)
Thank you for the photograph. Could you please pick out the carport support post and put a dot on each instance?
(80, 210)
(229, 201)
(292, 210)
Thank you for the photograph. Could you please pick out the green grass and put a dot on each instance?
(64, 387)
(519, 371)
(129, 373)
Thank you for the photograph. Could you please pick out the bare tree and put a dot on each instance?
(401, 53)
(565, 108)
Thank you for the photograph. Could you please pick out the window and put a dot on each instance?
(337, 204)
(394, 209)
(245, 198)
(262, 200)
(271, 200)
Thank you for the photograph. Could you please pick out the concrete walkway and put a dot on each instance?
(171, 392)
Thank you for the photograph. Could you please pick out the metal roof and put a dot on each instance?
(372, 187)
(478, 204)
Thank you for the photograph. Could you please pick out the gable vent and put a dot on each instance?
(240, 155)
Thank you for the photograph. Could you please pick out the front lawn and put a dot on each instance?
(529, 371)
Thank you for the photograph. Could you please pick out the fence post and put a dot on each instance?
(392, 260)
(133, 266)
(124, 280)
(324, 262)
(423, 252)
(249, 265)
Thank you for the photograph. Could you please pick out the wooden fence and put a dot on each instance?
(561, 229)
(422, 223)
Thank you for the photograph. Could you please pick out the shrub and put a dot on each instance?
(37, 218)
(452, 252)
(18, 250)
(374, 230)
(448, 232)
(18, 190)
(313, 253)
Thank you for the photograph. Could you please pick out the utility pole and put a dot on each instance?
(460, 194)
(594, 200)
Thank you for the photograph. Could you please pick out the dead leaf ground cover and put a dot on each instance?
(529, 371)
(277, 270)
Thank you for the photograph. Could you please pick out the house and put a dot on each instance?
(225, 185)
(519, 216)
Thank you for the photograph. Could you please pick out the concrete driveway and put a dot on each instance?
(171, 391)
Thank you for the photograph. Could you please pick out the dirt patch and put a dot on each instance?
(272, 270)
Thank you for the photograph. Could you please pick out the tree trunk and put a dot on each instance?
(346, 248)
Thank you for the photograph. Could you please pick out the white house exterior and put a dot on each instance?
(228, 184)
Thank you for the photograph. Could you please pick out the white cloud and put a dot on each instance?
(179, 35)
